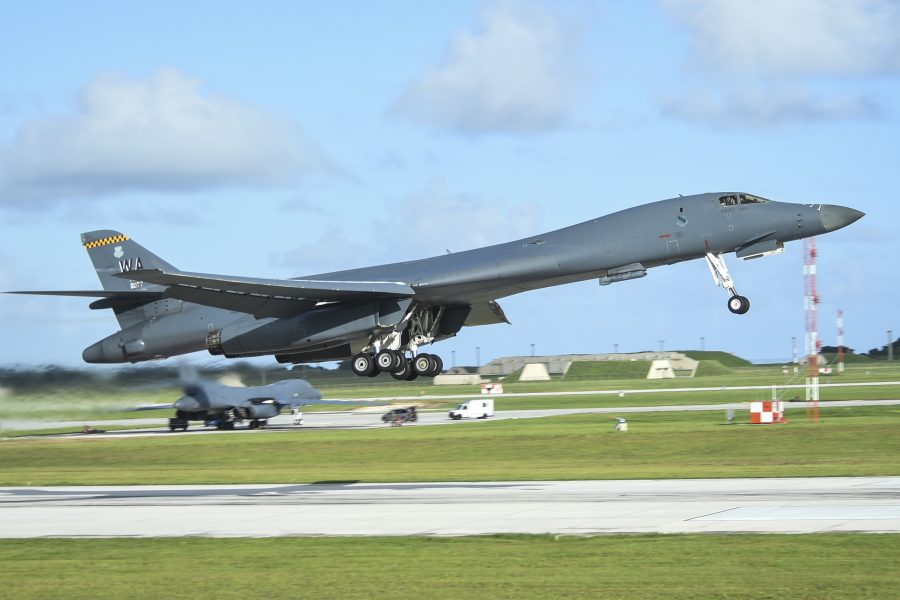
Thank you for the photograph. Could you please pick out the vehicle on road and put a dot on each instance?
(403, 415)
(473, 409)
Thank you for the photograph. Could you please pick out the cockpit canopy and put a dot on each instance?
(735, 199)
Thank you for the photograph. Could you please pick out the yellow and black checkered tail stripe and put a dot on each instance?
(116, 239)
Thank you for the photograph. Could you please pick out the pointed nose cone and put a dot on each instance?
(834, 216)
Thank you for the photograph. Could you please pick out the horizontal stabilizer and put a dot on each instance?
(300, 289)
(133, 295)
(115, 299)
(150, 407)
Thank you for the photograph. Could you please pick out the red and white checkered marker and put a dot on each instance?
(769, 411)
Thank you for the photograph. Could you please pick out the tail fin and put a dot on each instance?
(113, 253)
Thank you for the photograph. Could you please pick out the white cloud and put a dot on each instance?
(434, 220)
(794, 37)
(425, 223)
(331, 251)
(766, 108)
(513, 74)
(164, 133)
(301, 203)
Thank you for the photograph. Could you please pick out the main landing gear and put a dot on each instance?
(736, 303)
(366, 364)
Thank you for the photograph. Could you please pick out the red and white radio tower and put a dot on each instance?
(841, 351)
(810, 307)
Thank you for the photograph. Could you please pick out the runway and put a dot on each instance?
(793, 505)
(368, 418)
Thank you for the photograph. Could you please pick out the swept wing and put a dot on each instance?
(264, 297)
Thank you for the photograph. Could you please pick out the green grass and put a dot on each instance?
(89, 404)
(604, 370)
(647, 567)
(707, 368)
(723, 358)
(850, 358)
(851, 441)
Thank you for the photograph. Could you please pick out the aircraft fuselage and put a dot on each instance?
(452, 290)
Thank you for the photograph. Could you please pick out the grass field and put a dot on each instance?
(847, 442)
(851, 441)
(581, 370)
(93, 404)
(813, 567)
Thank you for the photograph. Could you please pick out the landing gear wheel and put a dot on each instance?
(405, 372)
(388, 360)
(438, 365)
(738, 304)
(424, 364)
(363, 364)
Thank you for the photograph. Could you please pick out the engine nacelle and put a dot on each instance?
(329, 323)
(264, 410)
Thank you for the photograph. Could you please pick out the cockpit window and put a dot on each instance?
(728, 200)
(735, 199)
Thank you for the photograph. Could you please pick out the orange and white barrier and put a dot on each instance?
(769, 411)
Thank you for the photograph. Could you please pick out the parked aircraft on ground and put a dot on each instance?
(382, 315)
(217, 403)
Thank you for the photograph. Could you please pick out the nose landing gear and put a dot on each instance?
(736, 303)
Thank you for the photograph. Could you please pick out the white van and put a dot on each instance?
(473, 409)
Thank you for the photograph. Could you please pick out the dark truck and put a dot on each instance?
(405, 415)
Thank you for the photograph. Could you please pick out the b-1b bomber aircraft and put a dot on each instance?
(381, 316)
(222, 405)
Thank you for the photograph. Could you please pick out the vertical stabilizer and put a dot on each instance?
(113, 253)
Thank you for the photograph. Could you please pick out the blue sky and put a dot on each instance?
(282, 139)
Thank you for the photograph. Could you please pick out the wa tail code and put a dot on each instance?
(130, 265)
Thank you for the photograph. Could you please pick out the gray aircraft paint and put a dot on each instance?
(165, 312)
(224, 405)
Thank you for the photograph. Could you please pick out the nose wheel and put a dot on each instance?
(737, 304)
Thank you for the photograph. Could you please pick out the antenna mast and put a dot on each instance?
(810, 307)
